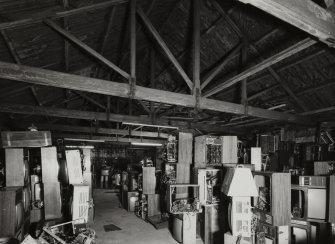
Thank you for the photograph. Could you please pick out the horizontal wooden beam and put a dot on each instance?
(89, 115)
(93, 130)
(62, 80)
(261, 66)
(104, 138)
(39, 17)
(318, 111)
(303, 14)
(84, 47)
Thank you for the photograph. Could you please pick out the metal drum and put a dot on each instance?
(177, 228)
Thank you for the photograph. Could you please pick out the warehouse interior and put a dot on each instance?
(180, 121)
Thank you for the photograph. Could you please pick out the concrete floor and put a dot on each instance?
(134, 230)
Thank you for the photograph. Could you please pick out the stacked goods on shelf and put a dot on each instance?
(272, 207)
(207, 151)
(183, 198)
(209, 181)
(213, 151)
(81, 190)
(149, 202)
(170, 150)
(312, 207)
(17, 175)
(210, 154)
(88, 181)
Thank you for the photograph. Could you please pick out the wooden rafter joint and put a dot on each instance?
(197, 99)
(132, 87)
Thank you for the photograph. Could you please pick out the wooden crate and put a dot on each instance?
(201, 177)
(52, 200)
(26, 138)
(149, 180)
(153, 205)
(279, 185)
(50, 166)
(176, 192)
(74, 168)
(12, 211)
(185, 148)
(229, 149)
(277, 234)
(202, 158)
(183, 174)
(80, 203)
(256, 158)
(324, 167)
(17, 168)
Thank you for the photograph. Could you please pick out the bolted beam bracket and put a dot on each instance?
(132, 87)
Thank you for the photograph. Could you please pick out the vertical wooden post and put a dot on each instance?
(108, 107)
(133, 41)
(132, 80)
(152, 80)
(66, 43)
(196, 52)
(244, 96)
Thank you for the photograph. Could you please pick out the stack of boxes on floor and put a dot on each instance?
(15, 198)
(21, 200)
(149, 202)
(207, 173)
(81, 189)
(313, 199)
(272, 207)
(183, 197)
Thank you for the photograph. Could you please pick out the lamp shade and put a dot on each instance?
(239, 182)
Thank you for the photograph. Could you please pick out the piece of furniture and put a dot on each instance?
(185, 148)
(209, 181)
(52, 200)
(25, 138)
(12, 212)
(229, 149)
(17, 168)
(153, 204)
(207, 151)
(274, 202)
(183, 198)
(149, 180)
